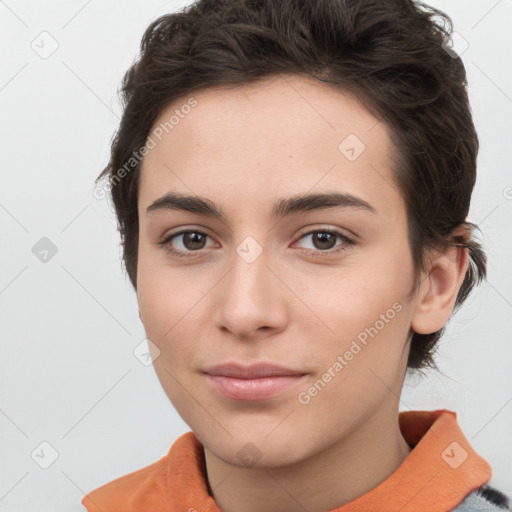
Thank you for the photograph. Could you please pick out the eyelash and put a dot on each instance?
(315, 253)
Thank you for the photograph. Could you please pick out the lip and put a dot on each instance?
(254, 371)
(252, 383)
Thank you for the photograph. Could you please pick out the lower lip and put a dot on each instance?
(253, 389)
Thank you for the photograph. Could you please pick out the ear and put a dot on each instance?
(439, 288)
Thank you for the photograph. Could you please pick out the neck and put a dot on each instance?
(329, 479)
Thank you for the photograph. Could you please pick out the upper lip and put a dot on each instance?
(251, 372)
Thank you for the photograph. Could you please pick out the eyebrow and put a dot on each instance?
(283, 207)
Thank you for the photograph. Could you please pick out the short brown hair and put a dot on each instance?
(390, 54)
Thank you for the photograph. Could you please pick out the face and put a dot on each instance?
(292, 251)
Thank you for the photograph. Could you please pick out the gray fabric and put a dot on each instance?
(474, 502)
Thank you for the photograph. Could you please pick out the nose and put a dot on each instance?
(250, 299)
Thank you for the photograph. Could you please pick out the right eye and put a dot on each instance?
(192, 241)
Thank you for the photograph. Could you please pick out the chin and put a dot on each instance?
(255, 448)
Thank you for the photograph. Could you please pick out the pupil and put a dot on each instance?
(193, 238)
(324, 239)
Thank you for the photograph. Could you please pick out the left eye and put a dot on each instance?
(193, 241)
(325, 239)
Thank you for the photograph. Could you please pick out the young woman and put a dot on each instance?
(292, 181)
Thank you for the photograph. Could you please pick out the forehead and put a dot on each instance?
(286, 133)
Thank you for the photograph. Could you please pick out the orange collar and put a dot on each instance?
(441, 470)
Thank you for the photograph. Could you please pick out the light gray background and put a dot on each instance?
(69, 326)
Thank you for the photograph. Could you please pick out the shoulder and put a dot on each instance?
(485, 498)
(130, 490)
(151, 487)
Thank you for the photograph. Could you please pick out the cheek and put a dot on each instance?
(358, 297)
(358, 367)
(160, 294)
(169, 317)
(371, 337)
(367, 311)
(170, 304)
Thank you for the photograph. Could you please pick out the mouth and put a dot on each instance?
(252, 383)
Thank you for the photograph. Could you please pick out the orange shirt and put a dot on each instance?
(441, 470)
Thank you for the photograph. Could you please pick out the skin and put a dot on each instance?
(244, 148)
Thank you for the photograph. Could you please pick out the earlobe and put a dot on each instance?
(438, 290)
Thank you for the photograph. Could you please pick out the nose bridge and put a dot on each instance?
(250, 272)
(248, 293)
